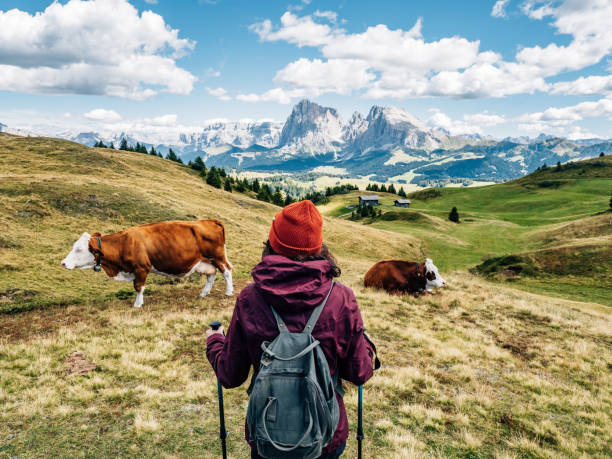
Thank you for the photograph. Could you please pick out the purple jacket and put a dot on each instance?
(294, 289)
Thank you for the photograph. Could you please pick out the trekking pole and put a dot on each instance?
(222, 432)
(359, 421)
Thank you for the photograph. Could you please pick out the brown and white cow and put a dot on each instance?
(397, 276)
(174, 248)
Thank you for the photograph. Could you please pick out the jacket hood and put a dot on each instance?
(292, 286)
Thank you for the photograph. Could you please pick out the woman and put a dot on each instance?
(294, 276)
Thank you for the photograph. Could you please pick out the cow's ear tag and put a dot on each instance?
(97, 268)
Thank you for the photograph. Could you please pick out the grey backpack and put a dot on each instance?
(293, 411)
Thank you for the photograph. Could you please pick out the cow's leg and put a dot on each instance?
(227, 274)
(229, 286)
(140, 277)
(210, 280)
(224, 265)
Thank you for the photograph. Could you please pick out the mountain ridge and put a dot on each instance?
(389, 144)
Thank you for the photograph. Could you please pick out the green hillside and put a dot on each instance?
(514, 218)
(478, 370)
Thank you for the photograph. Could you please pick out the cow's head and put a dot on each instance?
(432, 275)
(80, 256)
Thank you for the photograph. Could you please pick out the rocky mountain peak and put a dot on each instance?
(312, 128)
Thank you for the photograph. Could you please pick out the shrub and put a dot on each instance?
(453, 215)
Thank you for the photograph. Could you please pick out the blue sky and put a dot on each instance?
(493, 67)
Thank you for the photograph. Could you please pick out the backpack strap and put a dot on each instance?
(302, 353)
(279, 321)
(317, 312)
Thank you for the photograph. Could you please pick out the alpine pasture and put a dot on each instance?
(481, 369)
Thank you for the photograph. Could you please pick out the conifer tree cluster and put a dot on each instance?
(218, 177)
(365, 211)
(383, 189)
(340, 189)
(100, 144)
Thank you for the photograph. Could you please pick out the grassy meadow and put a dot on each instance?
(479, 369)
(554, 218)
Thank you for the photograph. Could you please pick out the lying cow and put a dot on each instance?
(396, 276)
(174, 248)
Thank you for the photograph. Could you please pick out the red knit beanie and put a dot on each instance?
(297, 230)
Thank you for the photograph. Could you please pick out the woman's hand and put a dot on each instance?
(211, 332)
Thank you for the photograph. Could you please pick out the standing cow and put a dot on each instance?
(174, 248)
(396, 276)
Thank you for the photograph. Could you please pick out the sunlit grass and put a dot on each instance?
(477, 370)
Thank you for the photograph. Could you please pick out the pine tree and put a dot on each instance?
(124, 144)
(240, 186)
(264, 193)
(401, 193)
(289, 199)
(172, 156)
(453, 215)
(255, 187)
(213, 178)
(391, 189)
(152, 152)
(112, 145)
(368, 187)
(383, 188)
(277, 198)
(374, 187)
(222, 173)
(601, 155)
(227, 186)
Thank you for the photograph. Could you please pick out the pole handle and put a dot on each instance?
(215, 325)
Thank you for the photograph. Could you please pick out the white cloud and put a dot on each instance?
(164, 120)
(101, 114)
(211, 72)
(219, 93)
(314, 77)
(594, 84)
(301, 31)
(561, 120)
(151, 2)
(400, 63)
(499, 9)
(278, 95)
(331, 16)
(469, 124)
(577, 133)
(81, 48)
